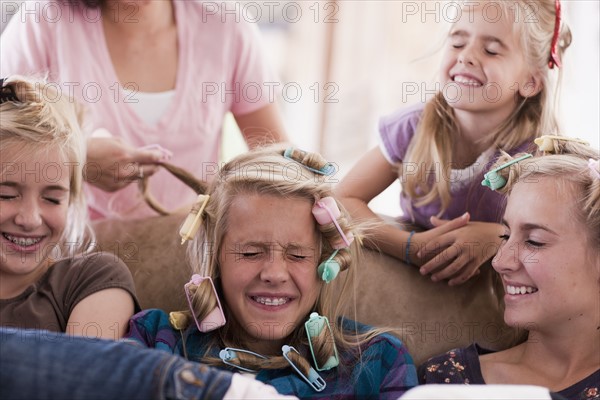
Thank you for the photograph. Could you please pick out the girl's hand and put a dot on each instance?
(459, 253)
(111, 164)
(425, 245)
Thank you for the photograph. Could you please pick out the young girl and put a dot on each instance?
(272, 241)
(496, 94)
(43, 283)
(549, 263)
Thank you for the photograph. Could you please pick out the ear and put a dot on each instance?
(532, 86)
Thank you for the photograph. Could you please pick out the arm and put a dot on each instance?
(102, 314)
(368, 178)
(262, 126)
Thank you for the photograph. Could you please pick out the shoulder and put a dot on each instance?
(459, 365)
(100, 265)
(397, 129)
(382, 347)
(80, 276)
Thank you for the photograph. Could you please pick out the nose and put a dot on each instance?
(275, 270)
(467, 55)
(507, 258)
(29, 215)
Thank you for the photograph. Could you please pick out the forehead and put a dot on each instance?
(543, 200)
(487, 18)
(22, 163)
(271, 218)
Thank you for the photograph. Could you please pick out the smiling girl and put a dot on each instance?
(549, 262)
(496, 93)
(44, 284)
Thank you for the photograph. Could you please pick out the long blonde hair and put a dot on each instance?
(42, 118)
(433, 140)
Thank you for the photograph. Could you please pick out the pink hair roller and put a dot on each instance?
(325, 212)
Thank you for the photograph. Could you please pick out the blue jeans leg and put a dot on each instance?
(48, 365)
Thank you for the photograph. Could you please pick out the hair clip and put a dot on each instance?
(546, 142)
(325, 212)
(302, 157)
(329, 269)
(7, 93)
(313, 378)
(230, 353)
(194, 219)
(554, 57)
(215, 319)
(495, 181)
(594, 166)
(318, 326)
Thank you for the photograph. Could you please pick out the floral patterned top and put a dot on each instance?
(462, 366)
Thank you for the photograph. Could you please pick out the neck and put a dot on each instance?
(141, 17)
(479, 128)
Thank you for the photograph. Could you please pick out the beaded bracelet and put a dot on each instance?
(407, 256)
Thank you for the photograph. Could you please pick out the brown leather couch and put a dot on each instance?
(430, 317)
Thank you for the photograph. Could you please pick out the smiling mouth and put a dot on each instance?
(22, 241)
(271, 301)
(520, 290)
(463, 80)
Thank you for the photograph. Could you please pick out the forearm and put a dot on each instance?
(380, 235)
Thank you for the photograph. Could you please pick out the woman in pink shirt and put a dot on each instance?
(150, 72)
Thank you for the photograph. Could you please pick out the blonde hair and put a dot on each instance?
(574, 176)
(533, 116)
(265, 171)
(40, 119)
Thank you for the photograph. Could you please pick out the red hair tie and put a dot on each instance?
(554, 59)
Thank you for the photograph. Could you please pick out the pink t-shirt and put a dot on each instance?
(221, 68)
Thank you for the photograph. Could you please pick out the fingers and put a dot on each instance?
(446, 226)
(471, 270)
(448, 258)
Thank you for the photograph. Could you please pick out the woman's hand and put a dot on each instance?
(458, 254)
(111, 164)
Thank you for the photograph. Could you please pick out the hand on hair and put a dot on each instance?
(458, 254)
(111, 164)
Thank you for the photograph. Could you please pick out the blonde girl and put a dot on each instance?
(44, 281)
(498, 78)
(281, 254)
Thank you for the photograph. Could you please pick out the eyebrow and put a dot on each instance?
(531, 227)
(50, 187)
(486, 38)
(292, 245)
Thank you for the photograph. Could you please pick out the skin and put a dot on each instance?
(547, 248)
(478, 55)
(133, 48)
(270, 251)
(33, 216)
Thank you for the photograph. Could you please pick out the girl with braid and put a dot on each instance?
(275, 255)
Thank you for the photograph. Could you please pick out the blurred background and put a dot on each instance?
(343, 64)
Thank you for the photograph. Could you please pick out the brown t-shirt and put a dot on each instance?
(48, 303)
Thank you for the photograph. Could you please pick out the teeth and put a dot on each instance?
(25, 242)
(520, 289)
(466, 81)
(271, 301)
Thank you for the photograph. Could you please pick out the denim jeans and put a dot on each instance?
(48, 365)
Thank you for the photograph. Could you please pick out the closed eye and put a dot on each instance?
(53, 201)
(7, 197)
